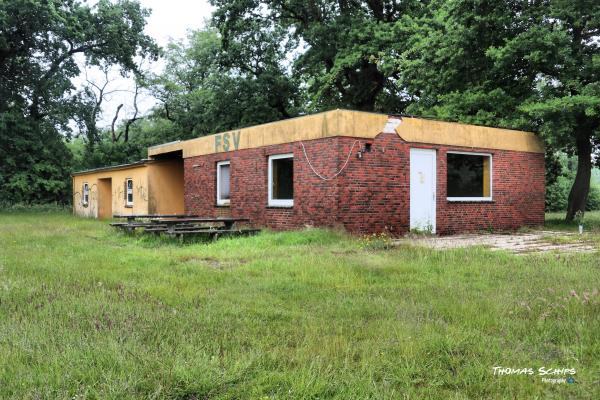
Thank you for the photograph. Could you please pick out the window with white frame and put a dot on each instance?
(129, 192)
(223, 182)
(469, 176)
(86, 194)
(281, 180)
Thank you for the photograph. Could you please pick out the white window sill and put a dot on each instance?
(281, 203)
(223, 203)
(469, 199)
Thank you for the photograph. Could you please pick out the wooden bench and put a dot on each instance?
(130, 227)
(213, 233)
(137, 220)
(184, 225)
(227, 222)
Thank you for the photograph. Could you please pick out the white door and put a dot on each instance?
(422, 189)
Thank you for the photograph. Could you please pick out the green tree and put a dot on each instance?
(39, 42)
(566, 104)
(346, 50)
(34, 162)
(211, 86)
(447, 66)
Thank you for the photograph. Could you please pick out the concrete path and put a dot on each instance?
(519, 243)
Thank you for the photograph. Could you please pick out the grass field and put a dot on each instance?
(87, 313)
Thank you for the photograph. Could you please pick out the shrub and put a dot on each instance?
(557, 196)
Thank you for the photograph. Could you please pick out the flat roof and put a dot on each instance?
(359, 124)
(112, 167)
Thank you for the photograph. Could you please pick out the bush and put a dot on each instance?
(557, 196)
(35, 164)
(593, 201)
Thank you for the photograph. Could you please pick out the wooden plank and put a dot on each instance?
(232, 232)
(148, 216)
(194, 219)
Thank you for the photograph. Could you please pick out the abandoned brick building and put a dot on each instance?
(365, 172)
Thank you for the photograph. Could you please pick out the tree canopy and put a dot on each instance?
(209, 86)
(39, 42)
(518, 64)
(521, 64)
(346, 55)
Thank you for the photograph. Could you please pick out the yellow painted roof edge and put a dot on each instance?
(138, 164)
(419, 130)
(354, 124)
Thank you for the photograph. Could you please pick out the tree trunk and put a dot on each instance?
(581, 186)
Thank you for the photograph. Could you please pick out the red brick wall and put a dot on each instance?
(315, 200)
(374, 191)
(371, 195)
(518, 191)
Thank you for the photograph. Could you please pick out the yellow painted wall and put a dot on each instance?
(322, 125)
(486, 178)
(158, 189)
(166, 187)
(138, 173)
(91, 210)
(354, 124)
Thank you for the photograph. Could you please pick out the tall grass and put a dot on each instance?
(86, 312)
(7, 208)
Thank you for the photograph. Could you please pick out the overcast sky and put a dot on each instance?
(170, 19)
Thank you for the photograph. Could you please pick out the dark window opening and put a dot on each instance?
(468, 175)
(283, 178)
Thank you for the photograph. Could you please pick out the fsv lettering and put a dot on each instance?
(225, 141)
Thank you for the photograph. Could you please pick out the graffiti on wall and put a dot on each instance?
(142, 192)
(91, 207)
(119, 192)
(139, 193)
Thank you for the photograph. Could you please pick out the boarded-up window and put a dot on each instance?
(281, 180)
(223, 182)
(469, 176)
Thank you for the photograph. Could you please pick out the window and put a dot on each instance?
(469, 176)
(86, 194)
(223, 182)
(281, 180)
(129, 192)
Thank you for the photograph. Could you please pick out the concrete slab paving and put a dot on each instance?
(518, 243)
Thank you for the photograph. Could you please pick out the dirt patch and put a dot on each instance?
(518, 243)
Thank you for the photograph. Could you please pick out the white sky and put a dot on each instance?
(173, 18)
(170, 19)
